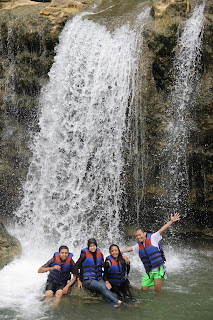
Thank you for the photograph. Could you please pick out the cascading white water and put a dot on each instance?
(186, 69)
(74, 185)
(74, 182)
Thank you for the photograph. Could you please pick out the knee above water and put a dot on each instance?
(49, 294)
(59, 294)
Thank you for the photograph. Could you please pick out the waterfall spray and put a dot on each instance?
(186, 68)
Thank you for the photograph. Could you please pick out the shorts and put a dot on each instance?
(148, 279)
(50, 285)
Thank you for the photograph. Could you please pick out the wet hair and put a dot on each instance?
(139, 229)
(90, 241)
(63, 247)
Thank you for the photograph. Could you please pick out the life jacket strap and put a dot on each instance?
(92, 266)
(156, 257)
(114, 276)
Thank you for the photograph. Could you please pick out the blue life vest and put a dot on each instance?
(63, 275)
(116, 273)
(89, 268)
(150, 255)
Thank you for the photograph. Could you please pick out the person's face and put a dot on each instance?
(63, 254)
(140, 235)
(92, 247)
(114, 252)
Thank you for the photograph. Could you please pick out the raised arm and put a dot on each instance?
(174, 218)
(129, 249)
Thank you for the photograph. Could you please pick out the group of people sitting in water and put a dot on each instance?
(108, 277)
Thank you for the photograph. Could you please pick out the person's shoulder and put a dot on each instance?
(51, 260)
(156, 237)
(135, 248)
(83, 256)
(107, 262)
(48, 263)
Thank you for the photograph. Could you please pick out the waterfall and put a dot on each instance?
(74, 185)
(186, 69)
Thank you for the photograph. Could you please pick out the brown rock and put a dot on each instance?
(10, 247)
(58, 10)
(160, 6)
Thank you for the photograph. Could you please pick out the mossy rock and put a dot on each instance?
(10, 247)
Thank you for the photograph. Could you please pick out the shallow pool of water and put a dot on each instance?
(186, 294)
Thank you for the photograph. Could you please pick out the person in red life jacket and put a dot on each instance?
(116, 270)
(151, 255)
(90, 264)
(60, 268)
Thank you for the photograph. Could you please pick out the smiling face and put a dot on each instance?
(114, 252)
(92, 247)
(140, 235)
(63, 254)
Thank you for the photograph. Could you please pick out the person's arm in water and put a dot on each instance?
(46, 267)
(174, 218)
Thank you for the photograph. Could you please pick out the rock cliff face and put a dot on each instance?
(26, 55)
(151, 181)
(28, 34)
(10, 247)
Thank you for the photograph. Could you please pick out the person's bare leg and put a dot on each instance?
(58, 295)
(144, 288)
(158, 284)
(48, 296)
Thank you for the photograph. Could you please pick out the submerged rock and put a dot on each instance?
(10, 247)
(86, 294)
(83, 293)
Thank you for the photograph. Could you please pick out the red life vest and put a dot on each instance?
(63, 275)
(89, 268)
(116, 273)
(150, 255)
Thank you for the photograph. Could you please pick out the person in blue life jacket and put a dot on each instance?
(151, 255)
(116, 270)
(90, 264)
(60, 268)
